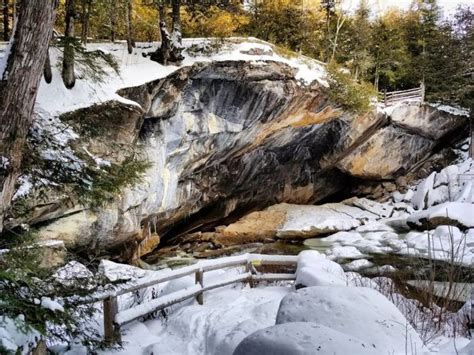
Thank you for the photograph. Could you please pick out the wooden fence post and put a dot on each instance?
(471, 320)
(200, 280)
(422, 92)
(250, 268)
(111, 329)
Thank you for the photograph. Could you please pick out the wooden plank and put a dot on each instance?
(274, 277)
(200, 281)
(403, 91)
(402, 97)
(231, 261)
(111, 329)
(131, 314)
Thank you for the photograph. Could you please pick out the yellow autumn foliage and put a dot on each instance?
(215, 22)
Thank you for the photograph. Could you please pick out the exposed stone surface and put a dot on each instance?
(231, 137)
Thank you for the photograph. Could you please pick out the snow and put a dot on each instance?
(13, 335)
(458, 212)
(458, 111)
(72, 273)
(48, 303)
(136, 70)
(357, 265)
(345, 309)
(315, 269)
(302, 338)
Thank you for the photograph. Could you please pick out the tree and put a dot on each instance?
(68, 75)
(170, 50)
(85, 15)
(361, 39)
(130, 36)
(6, 20)
(20, 77)
(389, 52)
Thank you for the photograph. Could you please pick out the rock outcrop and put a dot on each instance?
(224, 139)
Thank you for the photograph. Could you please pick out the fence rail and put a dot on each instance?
(390, 98)
(114, 319)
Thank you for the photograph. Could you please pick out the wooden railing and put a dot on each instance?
(114, 319)
(390, 98)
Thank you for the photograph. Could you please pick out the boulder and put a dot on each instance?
(301, 338)
(358, 312)
(459, 214)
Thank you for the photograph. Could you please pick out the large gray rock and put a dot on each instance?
(359, 312)
(226, 138)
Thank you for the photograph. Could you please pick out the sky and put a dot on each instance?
(448, 6)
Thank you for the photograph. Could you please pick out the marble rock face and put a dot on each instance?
(228, 138)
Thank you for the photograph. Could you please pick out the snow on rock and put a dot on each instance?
(137, 70)
(309, 221)
(344, 252)
(449, 213)
(120, 272)
(15, 337)
(73, 273)
(358, 265)
(345, 309)
(48, 303)
(453, 183)
(315, 269)
(302, 338)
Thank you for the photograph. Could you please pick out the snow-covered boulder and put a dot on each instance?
(120, 272)
(460, 214)
(74, 274)
(359, 312)
(315, 269)
(302, 338)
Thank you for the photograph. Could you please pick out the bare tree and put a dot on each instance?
(68, 75)
(18, 89)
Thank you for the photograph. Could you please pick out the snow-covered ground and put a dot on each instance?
(135, 70)
(335, 310)
(440, 208)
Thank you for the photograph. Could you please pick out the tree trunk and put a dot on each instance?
(176, 36)
(113, 19)
(6, 20)
(162, 54)
(171, 49)
(86, 8)
(471, 115)
(69, 78)
(130, 40)
(47, 71)
(18, 89)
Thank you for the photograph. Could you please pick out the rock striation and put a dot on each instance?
(227, 138)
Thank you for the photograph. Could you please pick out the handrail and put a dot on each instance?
(113, 319)
(396, 96)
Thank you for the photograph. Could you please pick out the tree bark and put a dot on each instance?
(130, 34)
(113, 19)
(18, 89)
(69, 78)
(6, 20)
(176, 36)
(171, 49)
(86, 8)
(47, 70)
